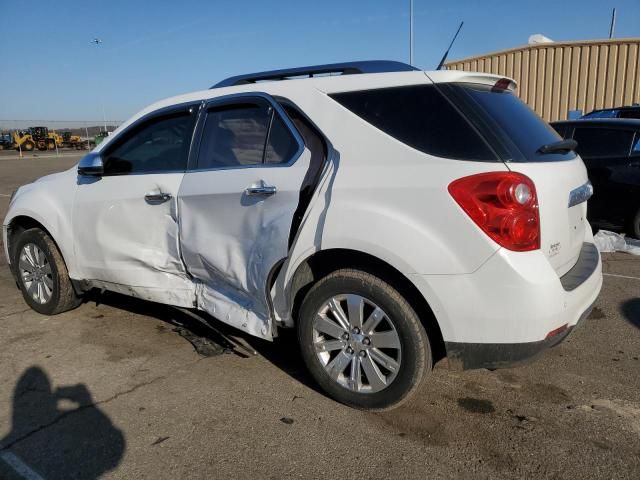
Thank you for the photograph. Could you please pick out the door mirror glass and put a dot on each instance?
(91, 165)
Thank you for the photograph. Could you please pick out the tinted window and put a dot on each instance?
(520, 125)
(281, 146)
(630, 113)
(636, 146)
(602, 114)
(236, 136)
(158, 145)
(562, 130)
(420, 117)
(603, 142)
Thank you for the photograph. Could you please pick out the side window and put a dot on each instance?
(635, 151)
(562, 130)
(603, 142)
(244, 135)
(158, 145)
(281, 146)
(630, 113)
(418, 116)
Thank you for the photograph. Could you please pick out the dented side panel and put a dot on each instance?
(231, 240)
(122, 239)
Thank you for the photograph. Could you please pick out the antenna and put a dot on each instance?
(444, 57)
(613, 23)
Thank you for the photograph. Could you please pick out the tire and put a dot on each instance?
(398, 322)
(28, 146)
(51, 145)
(51, 269)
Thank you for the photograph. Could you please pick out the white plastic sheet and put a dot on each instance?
(607, 241)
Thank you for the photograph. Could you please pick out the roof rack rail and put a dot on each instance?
(348, 68)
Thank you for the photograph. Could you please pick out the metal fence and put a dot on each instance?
(89, 131)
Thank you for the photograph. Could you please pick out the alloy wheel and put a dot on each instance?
(36, 273)
(357, 343)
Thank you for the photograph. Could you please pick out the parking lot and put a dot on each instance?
(113, 390)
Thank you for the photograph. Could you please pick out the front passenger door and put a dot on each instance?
(125, 222)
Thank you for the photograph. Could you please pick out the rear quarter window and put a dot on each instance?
(421, 117)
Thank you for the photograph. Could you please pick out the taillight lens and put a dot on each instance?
(504, 205)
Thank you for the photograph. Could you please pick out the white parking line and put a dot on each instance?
(620, 276)
(4, 195)
(19, 466)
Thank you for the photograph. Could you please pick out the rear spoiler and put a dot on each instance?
(459, 76)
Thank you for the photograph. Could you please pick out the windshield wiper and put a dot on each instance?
(561, 146)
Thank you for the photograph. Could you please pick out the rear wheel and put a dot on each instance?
(42, 274)
(51, 145)
(362, 341)
(28, 146)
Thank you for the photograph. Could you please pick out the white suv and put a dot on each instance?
(392, 216)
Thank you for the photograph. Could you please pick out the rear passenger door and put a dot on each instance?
(236, 205)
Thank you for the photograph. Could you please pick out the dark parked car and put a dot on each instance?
(618, 112)
(610, 148)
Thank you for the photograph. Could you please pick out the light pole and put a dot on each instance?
(410, 32)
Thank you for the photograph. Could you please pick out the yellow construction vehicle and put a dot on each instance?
(73, 141)
(45, 140)
(22, 140)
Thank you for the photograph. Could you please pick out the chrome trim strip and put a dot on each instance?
(580, 194)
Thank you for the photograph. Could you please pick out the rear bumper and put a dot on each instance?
(465, 356)
(503, 313)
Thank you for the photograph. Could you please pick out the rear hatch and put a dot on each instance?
(516, 134)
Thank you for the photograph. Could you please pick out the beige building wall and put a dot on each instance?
(554, 78)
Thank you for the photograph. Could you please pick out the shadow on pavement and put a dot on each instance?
(60, 432)
(283, 352)
(631, 311)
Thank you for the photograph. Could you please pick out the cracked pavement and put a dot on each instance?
(111, 391)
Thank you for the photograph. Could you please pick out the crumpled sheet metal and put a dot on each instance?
(231, 241)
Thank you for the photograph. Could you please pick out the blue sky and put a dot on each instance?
(155, 49)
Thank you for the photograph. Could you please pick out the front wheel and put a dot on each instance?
(362, 341)
(42, 274)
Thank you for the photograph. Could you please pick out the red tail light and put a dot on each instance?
(504, 205)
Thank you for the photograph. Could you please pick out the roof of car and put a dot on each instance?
(625, 107)
(346, 68)
(601, 122)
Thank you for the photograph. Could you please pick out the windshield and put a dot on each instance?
(514, 130)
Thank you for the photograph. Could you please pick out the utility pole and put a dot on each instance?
(613, 23)
(410, 32)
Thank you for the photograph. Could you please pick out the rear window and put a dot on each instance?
(603, 142)
(513, 128)
(421, 117)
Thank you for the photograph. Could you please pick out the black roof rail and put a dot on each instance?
(347, 68)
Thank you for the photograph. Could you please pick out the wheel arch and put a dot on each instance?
(21, 223)
(323, 262)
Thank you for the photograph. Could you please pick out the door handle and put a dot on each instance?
(261, 189)
(157, 197)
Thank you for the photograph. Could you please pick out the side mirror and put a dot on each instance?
(91, 165)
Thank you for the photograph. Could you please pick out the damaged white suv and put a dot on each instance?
(392, 216)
